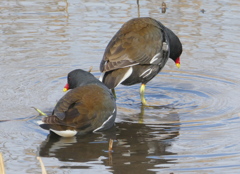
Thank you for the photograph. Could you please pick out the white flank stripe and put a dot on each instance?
(155, 58)
(105, 122)
(130, 65)
(165, 46)
(146, 73)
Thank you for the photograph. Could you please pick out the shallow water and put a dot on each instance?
(192, 123)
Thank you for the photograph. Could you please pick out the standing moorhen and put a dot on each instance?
(138, 52)
(88, 107)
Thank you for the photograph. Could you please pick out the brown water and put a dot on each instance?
(193, 124)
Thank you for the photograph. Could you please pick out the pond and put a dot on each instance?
(191, 124)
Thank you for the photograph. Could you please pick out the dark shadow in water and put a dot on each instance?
(136, 148)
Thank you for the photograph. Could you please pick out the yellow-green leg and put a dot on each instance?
(39, 111)
(141, 115)
(142, 91)
(114, 93)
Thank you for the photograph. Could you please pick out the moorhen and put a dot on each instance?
(138, 52)
(88, 107)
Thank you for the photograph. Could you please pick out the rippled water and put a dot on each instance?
(192, 123)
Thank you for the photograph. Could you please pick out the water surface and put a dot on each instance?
(192, 123)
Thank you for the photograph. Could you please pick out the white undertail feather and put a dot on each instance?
(101, 77)
(64, 133)
(126, 75)
(39, 122)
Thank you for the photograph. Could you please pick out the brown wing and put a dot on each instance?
(137, 42)
(82, 108)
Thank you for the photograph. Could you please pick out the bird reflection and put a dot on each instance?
(137, 147)
(77, 149)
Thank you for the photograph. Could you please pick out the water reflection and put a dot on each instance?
(137, 147)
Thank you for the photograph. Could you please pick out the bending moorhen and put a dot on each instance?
(88, 107)
(138, 52)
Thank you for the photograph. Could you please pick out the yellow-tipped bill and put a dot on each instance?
(66, 87)
(177, 62)
(178, 65)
